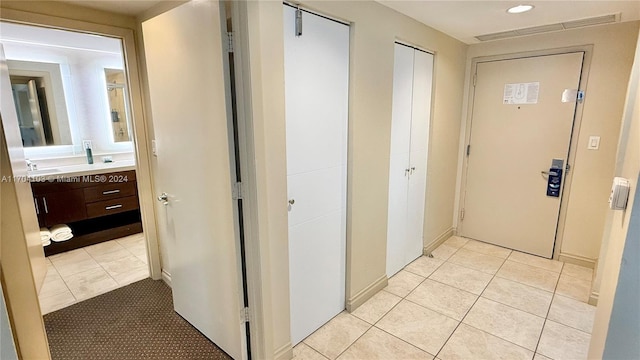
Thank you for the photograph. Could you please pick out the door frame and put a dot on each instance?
(573, 141)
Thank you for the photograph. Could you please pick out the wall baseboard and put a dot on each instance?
(285, 352)
(166, 277)
(438, 241)
(593, 298)
(365, 294)
(577, 260)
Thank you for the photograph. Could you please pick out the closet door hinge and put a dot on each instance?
(475, 79)
(236, 191)
(462, 214)
(245, 314)
(229, 42)
(468, 150)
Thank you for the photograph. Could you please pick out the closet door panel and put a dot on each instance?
(421, 106)
(421, 114)
(402, 99)
(316, 105)
(399, 158)
(316, 193)
(397, 216)
(317, 264)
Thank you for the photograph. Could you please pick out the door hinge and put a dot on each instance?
(475, 79)
(236, 191)
(245, 314)
(567, 167)
(462, 214)
(468, 150)
(229, 42)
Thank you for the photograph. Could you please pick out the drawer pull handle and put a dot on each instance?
(110, 192)
(44, 202)
(113, 207)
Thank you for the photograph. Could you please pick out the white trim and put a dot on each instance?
(285, 352)
(365, 294)
(438, 241)
(166, 277)
(577, 260)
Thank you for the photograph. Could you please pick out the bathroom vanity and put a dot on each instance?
(97, 204)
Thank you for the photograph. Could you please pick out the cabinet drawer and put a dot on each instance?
(109, 191)
(108, 207)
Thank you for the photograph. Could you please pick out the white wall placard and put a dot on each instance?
(521, 93)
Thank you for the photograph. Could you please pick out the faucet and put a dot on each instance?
(31, 166)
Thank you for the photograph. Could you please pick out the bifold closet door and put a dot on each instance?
(412, 83)
(316, 95)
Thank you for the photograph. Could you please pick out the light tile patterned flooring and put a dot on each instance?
(80, 274)
(470, 301)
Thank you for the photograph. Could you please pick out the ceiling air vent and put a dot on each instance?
(589, 22)
(551, 27)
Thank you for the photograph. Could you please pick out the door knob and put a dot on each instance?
(164, 198)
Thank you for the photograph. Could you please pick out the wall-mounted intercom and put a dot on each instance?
(619, 194)
(554, 178)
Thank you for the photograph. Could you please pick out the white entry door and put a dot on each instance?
(412, 83)
(184, 57)
(316, 94)
(520, 124)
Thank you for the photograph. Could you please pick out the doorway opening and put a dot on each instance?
(82, 176)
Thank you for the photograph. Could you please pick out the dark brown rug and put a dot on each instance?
(133, 322)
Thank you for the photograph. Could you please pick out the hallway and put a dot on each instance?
(471, 300)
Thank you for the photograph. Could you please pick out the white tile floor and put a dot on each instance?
(470, 301)
(83, 273)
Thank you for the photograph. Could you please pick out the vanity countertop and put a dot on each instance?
(80, 170)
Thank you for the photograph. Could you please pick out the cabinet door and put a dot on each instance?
(63, 207)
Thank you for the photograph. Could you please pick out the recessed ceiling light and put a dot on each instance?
(519, 9)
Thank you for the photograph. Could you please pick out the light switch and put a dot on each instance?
(594, 143)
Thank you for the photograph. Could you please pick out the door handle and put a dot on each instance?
(164, 198)
(292, 201)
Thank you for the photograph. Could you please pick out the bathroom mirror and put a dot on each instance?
(40, 104)
(118, 104)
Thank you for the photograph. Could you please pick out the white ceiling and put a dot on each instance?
(462, 20)
(128, 7)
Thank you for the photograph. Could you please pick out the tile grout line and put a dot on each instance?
(544, 323)
(468, 311)
(394, 306)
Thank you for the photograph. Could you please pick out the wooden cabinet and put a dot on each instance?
(60, 207)
(97, 207)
